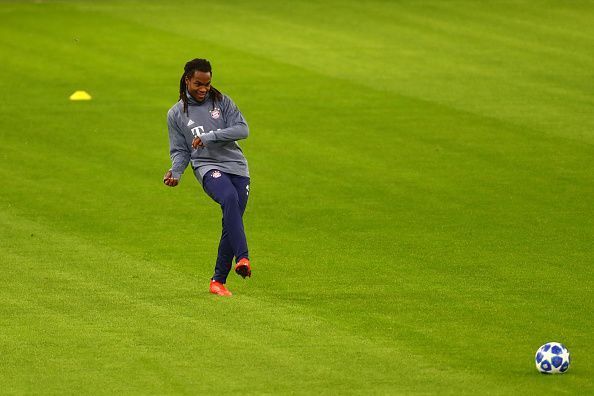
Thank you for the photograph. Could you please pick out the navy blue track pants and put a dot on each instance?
(231, 192)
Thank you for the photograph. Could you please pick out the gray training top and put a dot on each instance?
(218, 127)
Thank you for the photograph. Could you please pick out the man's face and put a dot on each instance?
(198, 85)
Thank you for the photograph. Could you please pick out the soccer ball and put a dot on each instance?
(552, 358)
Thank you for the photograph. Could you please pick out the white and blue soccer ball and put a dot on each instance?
(552, 358)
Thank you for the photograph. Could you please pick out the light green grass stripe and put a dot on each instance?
(107, 322)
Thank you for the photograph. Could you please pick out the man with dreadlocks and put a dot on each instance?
(204, 126)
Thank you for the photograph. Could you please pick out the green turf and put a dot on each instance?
(420, 218)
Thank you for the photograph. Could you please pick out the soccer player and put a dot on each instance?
(204, 127)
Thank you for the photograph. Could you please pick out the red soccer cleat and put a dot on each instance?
(219, 288)
(243, 268)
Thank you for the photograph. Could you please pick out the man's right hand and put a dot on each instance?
(169, 180)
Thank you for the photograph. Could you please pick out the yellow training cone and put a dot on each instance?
(80, 95)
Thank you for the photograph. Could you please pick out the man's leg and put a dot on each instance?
(219, 187)
(242, 186)
(225, 255)
(224, 258)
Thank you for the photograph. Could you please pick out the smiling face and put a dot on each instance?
(198, 84)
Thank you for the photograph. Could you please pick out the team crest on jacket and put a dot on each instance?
(215, 113)
(216, 174)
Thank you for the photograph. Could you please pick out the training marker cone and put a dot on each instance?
(80, 95)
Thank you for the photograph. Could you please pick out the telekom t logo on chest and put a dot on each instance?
(197, 131)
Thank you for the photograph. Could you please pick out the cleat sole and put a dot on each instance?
(243, 271)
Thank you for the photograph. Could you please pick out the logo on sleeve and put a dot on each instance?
(215, 113)
(216, 174)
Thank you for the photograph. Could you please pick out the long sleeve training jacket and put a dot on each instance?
(219, 125)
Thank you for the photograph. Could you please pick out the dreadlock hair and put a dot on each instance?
(189, 69)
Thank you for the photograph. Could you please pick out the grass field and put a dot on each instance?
(421, 213)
